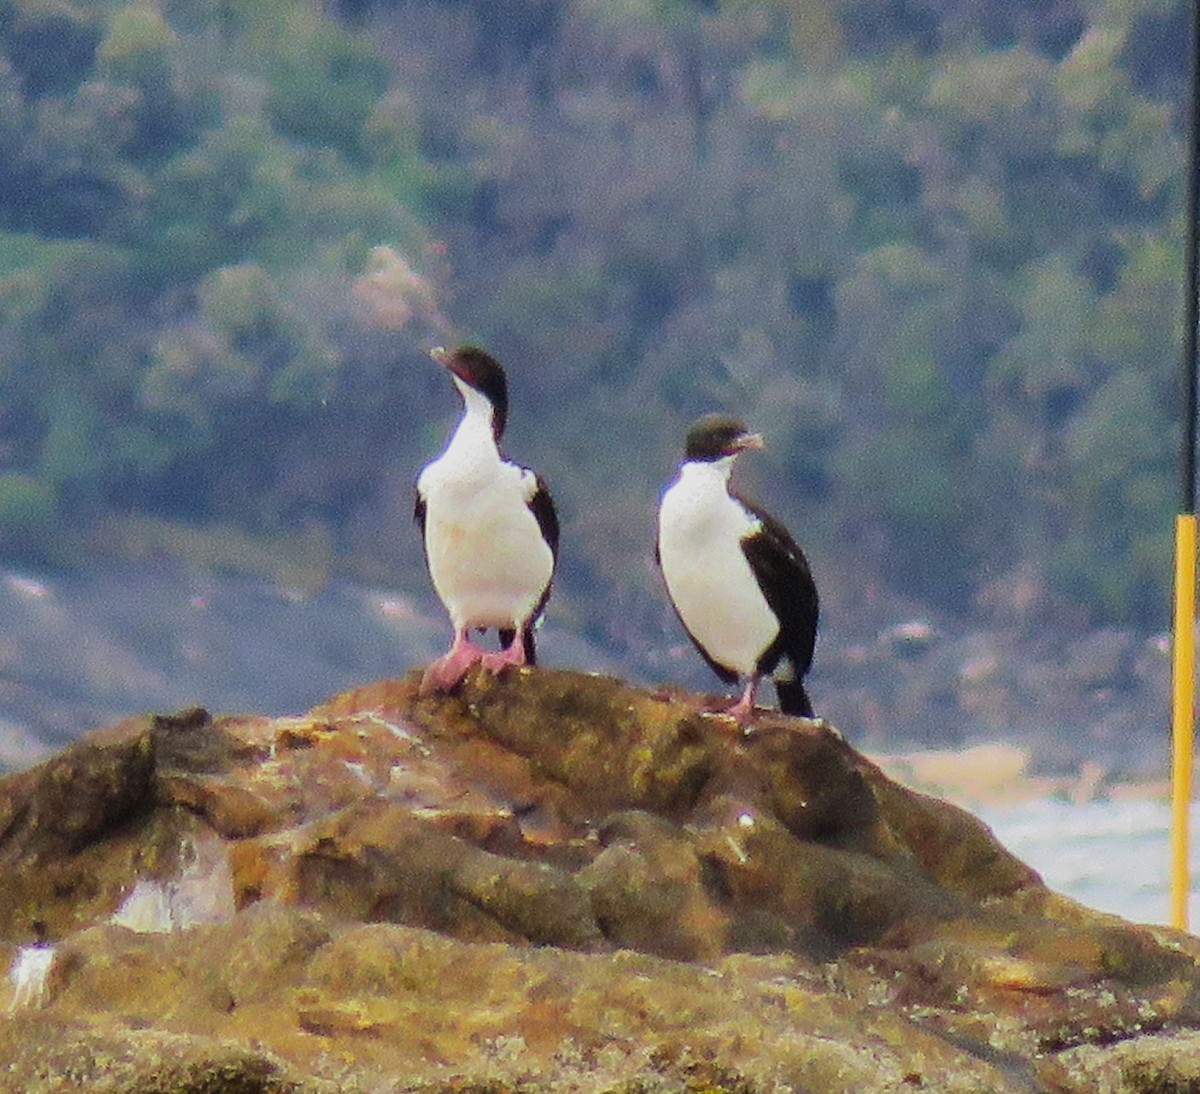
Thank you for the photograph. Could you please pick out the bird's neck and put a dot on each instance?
(475, 437)
(707, 473)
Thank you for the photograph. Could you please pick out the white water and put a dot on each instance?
(202, 893)
(29, 973)
(1110, 855)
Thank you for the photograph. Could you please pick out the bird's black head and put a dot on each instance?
(484, 373)
(715, 436)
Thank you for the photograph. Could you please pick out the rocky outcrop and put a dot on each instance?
(546, 881)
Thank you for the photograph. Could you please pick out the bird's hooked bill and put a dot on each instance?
(451, 362)
(750, 440)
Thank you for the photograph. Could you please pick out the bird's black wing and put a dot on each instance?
(787, 583)
(541, 505)
(725, 675)
(419, 511)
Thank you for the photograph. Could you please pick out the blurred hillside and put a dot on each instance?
(931, 250)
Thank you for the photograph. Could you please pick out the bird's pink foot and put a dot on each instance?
(447, 671)
(742, 711)
(513, 655)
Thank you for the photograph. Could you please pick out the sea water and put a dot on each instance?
(1111, 854)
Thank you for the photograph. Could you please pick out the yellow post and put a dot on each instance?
(1183, 709)
(1182, 713)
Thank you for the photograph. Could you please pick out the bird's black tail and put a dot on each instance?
(793, 699)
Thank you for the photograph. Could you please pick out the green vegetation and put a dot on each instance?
(932, 251)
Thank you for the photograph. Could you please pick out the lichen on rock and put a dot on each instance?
(549, 880)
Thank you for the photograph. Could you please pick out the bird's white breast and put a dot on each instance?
(700, 529)
(487, 558)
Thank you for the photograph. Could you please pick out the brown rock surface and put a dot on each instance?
(546, 881)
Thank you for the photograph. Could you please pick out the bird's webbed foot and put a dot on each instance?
(447, 671)
(513, 654)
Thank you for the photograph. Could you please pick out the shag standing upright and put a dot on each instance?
(739, 582)
(489, 527)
